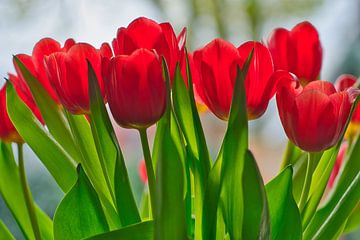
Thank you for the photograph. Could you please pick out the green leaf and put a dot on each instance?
(110, 155)
(51, 112)
(11, 191)
(344, 191)
(353, 222)
(170, 220)
(52, 155)
(235, 145)
(189, 122)
(139, 231)
(319, 182)
(328, 224)
(79, 214)
(299, 169)
(212, 194)
(256, 223)
(284, 213)
(5, 233)
(91, 164)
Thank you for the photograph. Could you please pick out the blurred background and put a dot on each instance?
(24, 22)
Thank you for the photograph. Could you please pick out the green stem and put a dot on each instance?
(287, 155)
(149, 167)
(307, 181)
(27, 194)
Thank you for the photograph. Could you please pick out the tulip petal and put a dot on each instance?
(307, 59)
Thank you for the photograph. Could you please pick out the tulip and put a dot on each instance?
(217, 64)
(338, 163)
(297, 51)
(313, 116)
(136, 89)
(68, 74)
(35, 62)
(146, 33)
(8, 132)
(342, 83)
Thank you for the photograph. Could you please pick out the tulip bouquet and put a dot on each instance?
(56, 103)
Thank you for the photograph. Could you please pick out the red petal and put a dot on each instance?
(345, 81)
(322, 86)
(306, 58)
(260, 87)
(278, 46)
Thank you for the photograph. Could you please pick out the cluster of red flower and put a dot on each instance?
(313, 112)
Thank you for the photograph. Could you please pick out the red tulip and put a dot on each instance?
(344, 82)
(146, 33)
(313, 117)
(338, 163)
(35, 63)
(142, 172)
(298, 51)
(68, 73)
(136, 89)
(217, 63)
(8, 132)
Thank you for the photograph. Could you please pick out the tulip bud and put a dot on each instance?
(68, 73)
(313, 116)
(136, 89)
(217, 65)
(146, 33)
(297, 51)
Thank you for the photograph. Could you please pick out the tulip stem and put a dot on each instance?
(307, 181)
(149, 167)
(27, 194)
(287, 155)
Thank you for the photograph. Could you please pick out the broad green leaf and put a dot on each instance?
(170, 220)
(110, 155)
(235, 145)
(11, 191)
(51, 112)
(212, 195)
(329, 212)
(353, 222)
(284, 213)
(79, 214)
(170, 214)
(91, 165)
(139, 231)
(328, 224)
(256, 223)
(52, 155)
(5, 233)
